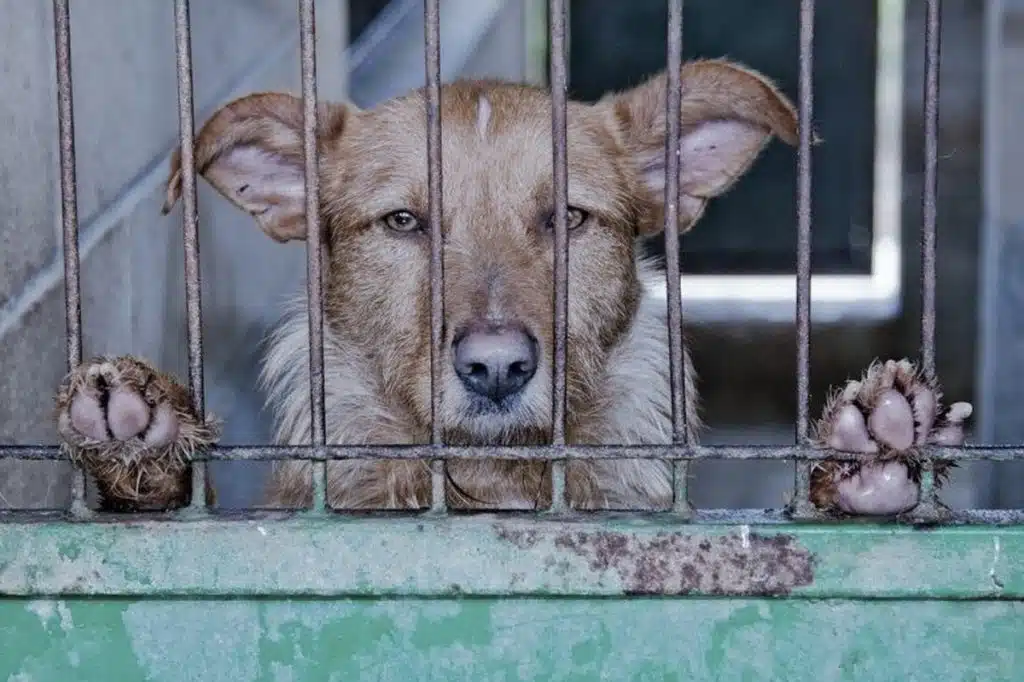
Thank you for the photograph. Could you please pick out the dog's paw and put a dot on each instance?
(133, 429)
(884, 419)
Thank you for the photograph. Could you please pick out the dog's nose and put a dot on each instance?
(495, 361)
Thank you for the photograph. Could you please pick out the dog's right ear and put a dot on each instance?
(251, 152)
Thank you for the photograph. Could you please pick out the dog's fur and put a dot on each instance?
(497, 170)
(498, 265)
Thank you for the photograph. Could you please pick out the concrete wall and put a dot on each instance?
(1001, 356)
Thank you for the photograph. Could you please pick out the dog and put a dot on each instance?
(134, 429)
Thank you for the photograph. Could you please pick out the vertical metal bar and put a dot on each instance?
(680, 430)
(672, 161)
(559, 135)
(432, 63)
(930, 507)
(69, 214)
(803, 251)
(929, 201)
(314, 248)
(190, 223)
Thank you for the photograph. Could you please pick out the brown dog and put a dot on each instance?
(134, 428)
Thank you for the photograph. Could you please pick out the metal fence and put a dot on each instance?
(683, 448)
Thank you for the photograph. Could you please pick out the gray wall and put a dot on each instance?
(1001, 356)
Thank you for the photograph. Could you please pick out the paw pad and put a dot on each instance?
(132, 428)
(108, 404)
(884, 418)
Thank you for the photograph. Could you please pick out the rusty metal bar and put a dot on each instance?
(314, 245)
(432, 63)
(802, 482)
(677, 349)
(190, 224)
(930, 506)
(672, 162)
(264, 453)
(68, 183)
(54, 518)
(929, 201)
(69, 215)
(557, 21)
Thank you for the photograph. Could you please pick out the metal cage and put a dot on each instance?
(683, 450)
(682, 551)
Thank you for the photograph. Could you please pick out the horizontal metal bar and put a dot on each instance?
(505, 555)
(699, 516)
(257, 453)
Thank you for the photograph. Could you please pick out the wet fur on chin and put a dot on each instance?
(633, 407)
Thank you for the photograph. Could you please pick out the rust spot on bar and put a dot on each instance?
(675, 564)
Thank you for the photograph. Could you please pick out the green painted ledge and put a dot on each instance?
(499, 555)
(509, 640)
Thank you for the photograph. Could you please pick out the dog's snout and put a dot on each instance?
(495, 361)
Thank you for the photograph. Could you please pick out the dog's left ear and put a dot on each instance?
(727, 115)
(251, 151)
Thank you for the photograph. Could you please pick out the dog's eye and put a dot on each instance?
(402, 221)
(575, 217)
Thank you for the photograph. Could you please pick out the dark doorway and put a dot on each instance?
(616, 44)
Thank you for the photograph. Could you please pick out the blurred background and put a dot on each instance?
(738, 263)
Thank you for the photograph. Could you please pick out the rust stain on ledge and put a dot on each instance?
(744, 564)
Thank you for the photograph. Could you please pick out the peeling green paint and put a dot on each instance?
(500, 597)
(506, 556)
(681, 639)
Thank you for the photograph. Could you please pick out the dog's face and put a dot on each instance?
(497, 229)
